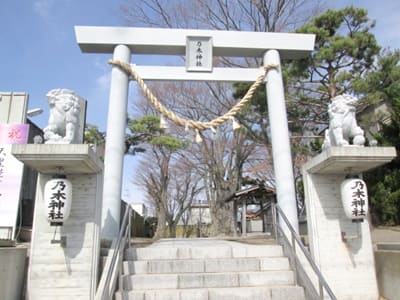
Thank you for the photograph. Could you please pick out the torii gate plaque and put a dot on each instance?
(125, 41)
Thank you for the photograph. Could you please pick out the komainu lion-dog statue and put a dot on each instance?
(63, 126)
(343, 129)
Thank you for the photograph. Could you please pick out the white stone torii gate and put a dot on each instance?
(125, 41)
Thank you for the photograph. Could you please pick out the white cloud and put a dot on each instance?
(103, 81)
(43, 7)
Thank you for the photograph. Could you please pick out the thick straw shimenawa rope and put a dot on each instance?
(185, 122)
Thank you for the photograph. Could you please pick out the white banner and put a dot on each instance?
(10, 186)
(11, 170)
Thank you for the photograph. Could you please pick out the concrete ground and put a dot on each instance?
(381, 234)
(385, 234)
(251, 238)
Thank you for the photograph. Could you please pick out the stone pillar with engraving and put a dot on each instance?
(64, 258)
(341, 246)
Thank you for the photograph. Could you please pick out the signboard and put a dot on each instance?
(11, 170)
(14, 133)
(199, 54)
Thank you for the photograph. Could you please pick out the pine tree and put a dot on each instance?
(383, 86)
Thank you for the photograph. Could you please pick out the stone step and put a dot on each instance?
(207, 269)
(206, 265)
(232, 293)
(207, 280)
(203, 252)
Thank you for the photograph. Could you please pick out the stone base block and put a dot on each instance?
(342, 249)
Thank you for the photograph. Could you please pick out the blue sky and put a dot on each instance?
(38, 50)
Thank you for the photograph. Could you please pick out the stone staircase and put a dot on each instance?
(207, 269)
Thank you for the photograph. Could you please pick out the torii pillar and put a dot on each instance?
(124, 41)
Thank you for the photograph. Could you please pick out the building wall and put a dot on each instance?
(199, 214)
(140, 208)
(28, 191)
(13, 108)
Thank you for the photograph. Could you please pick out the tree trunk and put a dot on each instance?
(172, 230)
(221, 212)
(223, 221)
(161, 223)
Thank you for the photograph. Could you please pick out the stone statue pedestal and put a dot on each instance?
(64, 259)
(342, 249)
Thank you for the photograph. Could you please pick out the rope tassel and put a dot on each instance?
(198, 138)
(163, 123)
(235, 123)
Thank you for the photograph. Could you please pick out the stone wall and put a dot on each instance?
(341, 248)
(12, 271)
(388, 273)
(59, 271)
